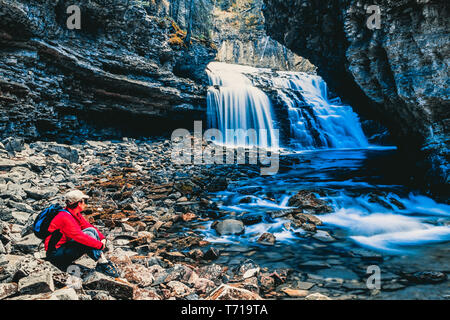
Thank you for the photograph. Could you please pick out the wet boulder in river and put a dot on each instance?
(309, 202)
(267, 238)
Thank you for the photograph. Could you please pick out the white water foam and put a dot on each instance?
(235, 104)
(316, 121)
(376, 227)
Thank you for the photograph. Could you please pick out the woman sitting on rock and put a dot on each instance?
(75, 237)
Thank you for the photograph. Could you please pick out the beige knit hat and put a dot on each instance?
(74, 196)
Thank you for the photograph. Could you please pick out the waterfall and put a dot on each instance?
(316, 121)
(237, 108)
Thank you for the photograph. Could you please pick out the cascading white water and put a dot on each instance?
(316, 121)
(236, 107)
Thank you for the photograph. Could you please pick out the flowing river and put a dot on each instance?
(376, 219)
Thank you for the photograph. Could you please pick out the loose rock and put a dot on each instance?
(37, 283)
(229, 227)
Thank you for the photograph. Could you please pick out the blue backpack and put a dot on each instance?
(43, 220)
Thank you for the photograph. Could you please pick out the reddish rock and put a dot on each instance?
(317, 296)
(138, 274)
(250, 284)
(7, 289)
(156, 226)
(203, 286)
(308, 218)
(226, 292)
(146, 294)
(196, 254)
(309, 227)
(179, 289)
(173, 256)
(188, 216)
(309, 202)
(203, 243)
(120, 258)
(295, 293)
(267, 283)
(267, 238)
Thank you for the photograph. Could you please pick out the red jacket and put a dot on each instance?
(71, 226)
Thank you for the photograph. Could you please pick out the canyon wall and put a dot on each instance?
(240, 36)
(397, 73)
(125, 69)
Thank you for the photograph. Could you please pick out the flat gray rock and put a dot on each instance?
(36, 283)
(229, 227)
(323, 236)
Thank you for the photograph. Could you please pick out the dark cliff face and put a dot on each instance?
(119, 71)
(398, 73)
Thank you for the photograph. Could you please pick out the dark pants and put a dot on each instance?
(70, 251)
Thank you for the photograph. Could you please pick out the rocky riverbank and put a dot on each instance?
(140, 201)
(150, 210)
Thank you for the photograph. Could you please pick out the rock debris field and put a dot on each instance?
(144, 204)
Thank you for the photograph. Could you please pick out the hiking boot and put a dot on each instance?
(108, 268)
